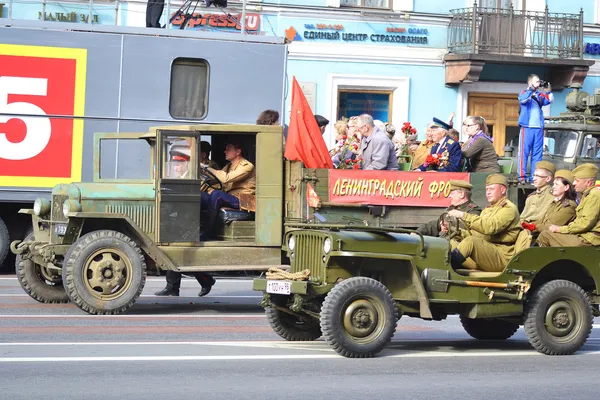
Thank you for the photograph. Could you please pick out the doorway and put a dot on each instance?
(501, 114)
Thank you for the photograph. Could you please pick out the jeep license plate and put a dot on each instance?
(279, 287)
(60, 230)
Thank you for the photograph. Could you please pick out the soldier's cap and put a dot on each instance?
(321, 120)
(499, 179)
(547, 165)
(205, 147)
(565, 174)
(180, 153)
(460, 185)
(585, 171)
(438, 123)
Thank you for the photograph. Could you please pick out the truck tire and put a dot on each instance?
(104, 272)
(4, 241)
(489, 329)
(358, 317)
(39, 283)
(292, 328)
(558, 318)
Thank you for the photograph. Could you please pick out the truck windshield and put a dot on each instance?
(590, 148)
(126, 159)
(560, 143)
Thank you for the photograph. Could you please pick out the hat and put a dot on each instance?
(459, 185)
(438, 123)
(496, 179)
(321, 120)
(205, 147)
(180, 153)
(547, 165)
(585, 171)
(565, 174)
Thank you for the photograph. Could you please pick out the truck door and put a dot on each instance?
(178, 187)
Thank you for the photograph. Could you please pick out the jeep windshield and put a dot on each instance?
(560, 143)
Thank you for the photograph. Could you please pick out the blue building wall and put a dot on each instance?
(439, 6)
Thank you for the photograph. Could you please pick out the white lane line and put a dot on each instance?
(162, 280)
(191, 316)
(162, 297)
(433, 354)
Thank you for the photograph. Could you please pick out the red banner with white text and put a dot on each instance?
(392, 188)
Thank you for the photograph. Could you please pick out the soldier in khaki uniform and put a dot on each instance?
(562, 209)
(538, 202)
(460, 199)
(237, 177)
(584, 230)
(489, 241)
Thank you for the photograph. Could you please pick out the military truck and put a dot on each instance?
(351, 285)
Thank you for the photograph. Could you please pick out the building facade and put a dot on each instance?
(399, 60)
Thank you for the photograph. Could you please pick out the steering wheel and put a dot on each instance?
(210, 179)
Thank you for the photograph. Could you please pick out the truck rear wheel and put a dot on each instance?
(558, 318)
(104, 272)
(489, 329)
(359, 317)
(4, 241)
(293, 328)
(39, 282)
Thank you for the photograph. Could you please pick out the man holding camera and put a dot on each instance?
(531, 121)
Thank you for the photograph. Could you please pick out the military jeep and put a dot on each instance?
(352, 283)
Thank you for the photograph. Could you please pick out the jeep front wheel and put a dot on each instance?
(40, 283)
(293, 328)
(489, 329)
(359, 317)
(558, 318)
(104, 272)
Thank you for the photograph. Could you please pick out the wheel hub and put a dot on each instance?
(108, 274)
(360, 318)
(560, 319)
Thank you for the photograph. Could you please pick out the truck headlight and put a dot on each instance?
(327, 246)
(41, 206)
(291, 243)
(70, 206)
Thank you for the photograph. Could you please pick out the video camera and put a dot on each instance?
(544, 84)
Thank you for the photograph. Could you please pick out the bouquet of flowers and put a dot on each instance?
(345, 154)
(401, 142)
(433, 162)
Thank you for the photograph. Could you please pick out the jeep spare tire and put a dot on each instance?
(104, 272)
(359, 317)
(39, 282)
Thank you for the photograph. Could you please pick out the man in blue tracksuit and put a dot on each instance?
(531, 122)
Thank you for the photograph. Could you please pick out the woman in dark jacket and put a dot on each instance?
(478, 148)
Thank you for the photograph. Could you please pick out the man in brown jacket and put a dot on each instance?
(538, 202)
(489, 241)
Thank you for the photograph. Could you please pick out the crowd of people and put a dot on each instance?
(364, 143)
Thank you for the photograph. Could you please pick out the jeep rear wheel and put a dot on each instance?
(40, 283)
(4, 241)
(489, 329)
(104, 272)
(359, 317)
(293, 328)
(558, 318)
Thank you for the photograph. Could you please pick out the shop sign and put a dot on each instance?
(392, 188)
(68, 17)
(592, 48)
(220, 21)
(336, 32)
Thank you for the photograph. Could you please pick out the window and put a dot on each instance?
(189, 89)
(560, 143)
(365, 3)
(179, 153)
(125, 159)
(374, 102)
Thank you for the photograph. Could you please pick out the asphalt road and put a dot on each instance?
(221, 347)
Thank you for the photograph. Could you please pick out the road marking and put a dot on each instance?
(162, 297)
(432, 354)
(126, 316)
(162, 280)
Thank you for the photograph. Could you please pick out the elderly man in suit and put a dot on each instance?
(446, 150)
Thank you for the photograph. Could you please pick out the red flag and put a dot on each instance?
(304, 140)
(312, 198)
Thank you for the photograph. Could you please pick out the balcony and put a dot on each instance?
(478, 36)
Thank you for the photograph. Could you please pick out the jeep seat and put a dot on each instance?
(227, 215)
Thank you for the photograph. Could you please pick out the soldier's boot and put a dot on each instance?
(457, 259)
(168, 291)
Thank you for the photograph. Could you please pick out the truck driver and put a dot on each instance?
(237, 177)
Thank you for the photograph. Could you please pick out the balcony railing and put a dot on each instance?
(480, 30)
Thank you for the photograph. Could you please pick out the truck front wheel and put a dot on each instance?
(558, 318)
(293, 328)
(104, 272)
(39, 282)
(359, 317)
